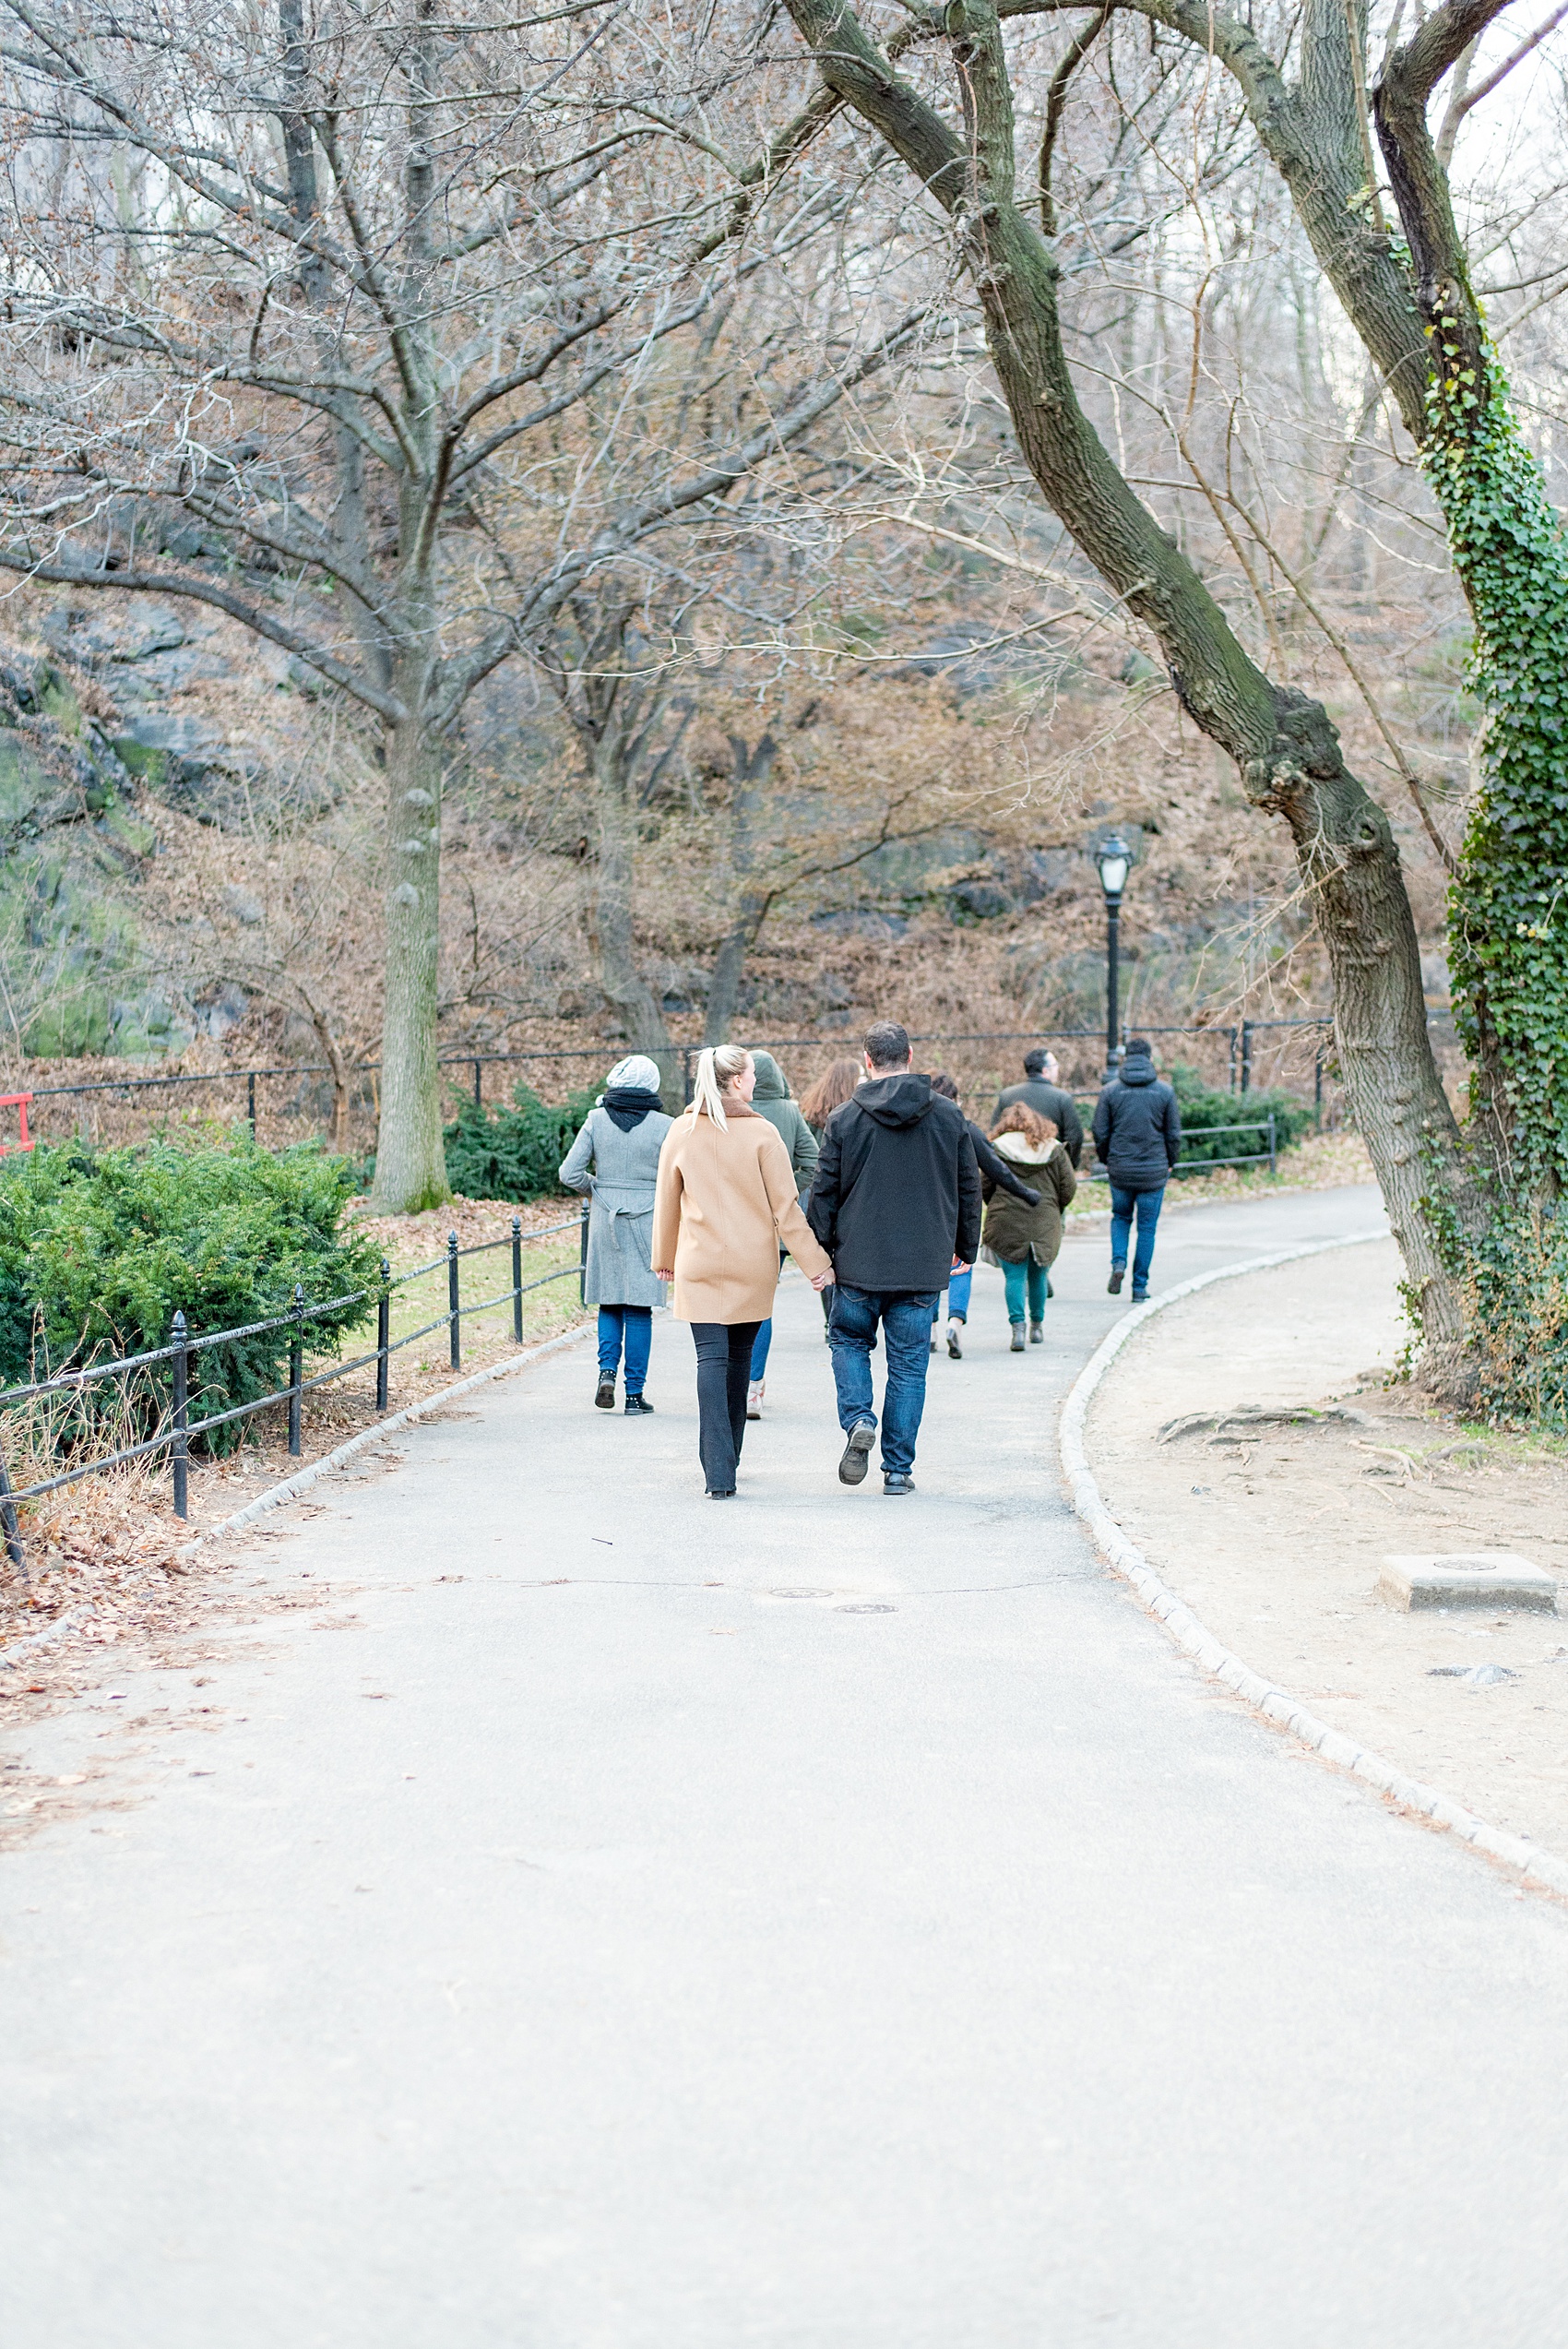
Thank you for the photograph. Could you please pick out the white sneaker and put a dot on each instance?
(754, 1399)
(954, 1346)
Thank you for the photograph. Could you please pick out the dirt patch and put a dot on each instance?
(1274, 1532)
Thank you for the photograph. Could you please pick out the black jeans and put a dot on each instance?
(724, 1366)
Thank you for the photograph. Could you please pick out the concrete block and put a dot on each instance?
(1467, 1578)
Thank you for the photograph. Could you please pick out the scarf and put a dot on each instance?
(629, 1104)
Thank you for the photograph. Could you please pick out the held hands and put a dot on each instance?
(823, 1281)
(664, 1272)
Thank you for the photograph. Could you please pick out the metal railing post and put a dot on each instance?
(182, 1453)
(686, 1073)
(516, 1279)
(1272, 1147)
(13, 1531)
(1317, 1084)
(478, 1084)
(296, 1370)
(1230, 1033)
(453, 1322)
(1246, 1055)
(250, 1100)
(582, 1256)
(383, 1334)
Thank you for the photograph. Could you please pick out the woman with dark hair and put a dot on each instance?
(995, 1170)
(1026, 1241)
(832, 1090)
(615, 1159)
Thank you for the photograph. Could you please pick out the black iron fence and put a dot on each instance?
(1228, 1053)
(178, 1428)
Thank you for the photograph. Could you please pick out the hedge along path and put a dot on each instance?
(1538, 1868)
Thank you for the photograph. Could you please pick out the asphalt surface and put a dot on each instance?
(617, 1921)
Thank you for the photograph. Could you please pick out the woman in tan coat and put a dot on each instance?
(725, 1203)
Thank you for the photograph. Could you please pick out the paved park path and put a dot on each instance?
(823, 1922)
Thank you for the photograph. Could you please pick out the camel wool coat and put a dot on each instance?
(724, 1206)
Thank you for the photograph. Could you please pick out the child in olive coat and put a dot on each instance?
(1026, 1241)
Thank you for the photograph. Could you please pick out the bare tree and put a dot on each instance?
(310, 345)
(955, 130)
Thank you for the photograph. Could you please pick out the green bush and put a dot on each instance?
(512, 1153)
(98, 1248)
(1204, 1110)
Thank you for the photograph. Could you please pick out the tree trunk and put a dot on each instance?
(338, 1063)
(625, 990)
(749, 773)
(1283, 743)
(410, 1165)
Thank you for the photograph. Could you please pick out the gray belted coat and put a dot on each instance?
(620, 1169)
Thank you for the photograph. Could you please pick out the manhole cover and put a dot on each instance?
(800, 1594)
(866, 1606)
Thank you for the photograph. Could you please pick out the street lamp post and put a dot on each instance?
(1114, 859)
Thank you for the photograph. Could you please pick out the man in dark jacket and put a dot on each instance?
(1043, 1093)
(1138, 1132)
(896, 1200)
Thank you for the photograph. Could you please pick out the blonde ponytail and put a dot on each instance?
(717, 1067)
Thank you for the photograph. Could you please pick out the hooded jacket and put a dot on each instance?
(771, 1100)
(897, 1194)
(1015, 1234)
(1137, 1128)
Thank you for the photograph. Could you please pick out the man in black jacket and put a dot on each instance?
(1042, 1092)
(896, 1200)
(1137, 1131)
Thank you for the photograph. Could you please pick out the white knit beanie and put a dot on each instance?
(637, 1073)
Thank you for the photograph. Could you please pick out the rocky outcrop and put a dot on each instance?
(70, 841)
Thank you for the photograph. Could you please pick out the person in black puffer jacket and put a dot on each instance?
(1137, 1133)
(895, 1203)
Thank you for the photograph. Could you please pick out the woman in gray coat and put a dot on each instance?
(615, 1158)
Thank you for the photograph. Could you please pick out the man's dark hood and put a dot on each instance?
(894, 1100)
(1139, 1069)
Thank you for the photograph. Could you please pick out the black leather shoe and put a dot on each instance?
(898, 1482)
(727, 1495)
(1118, 1274)
(857, 1452)
(638, 1407)
(604, 1400)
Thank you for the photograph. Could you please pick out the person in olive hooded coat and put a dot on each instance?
(772, 1099)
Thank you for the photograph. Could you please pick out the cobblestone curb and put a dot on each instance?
(1276, 1704)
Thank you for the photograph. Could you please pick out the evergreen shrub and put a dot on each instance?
(501, 1151)
(1204, 1110)
(98, 1248)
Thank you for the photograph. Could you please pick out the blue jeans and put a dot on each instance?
(638, 1327)
(760, 1346)
(1025, 1279)
(906, 1324)
(958, 1288)
(1122, 1205)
